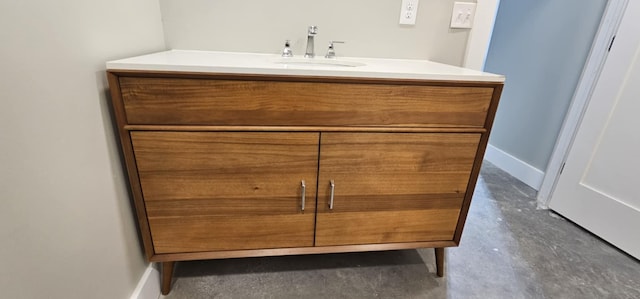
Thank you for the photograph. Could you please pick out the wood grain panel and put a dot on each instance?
(473, 179)
(379, 166)
(130, 163)
(199, 165)
(297, 250)
(302, 129)
(235, 232)
(412, 180)
(226, 190)
(174, 101)
(385, 227)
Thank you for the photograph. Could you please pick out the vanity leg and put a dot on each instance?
(440, 262)
(167, 275)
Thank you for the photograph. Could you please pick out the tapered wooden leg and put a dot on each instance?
(440, 261)
(167, 275)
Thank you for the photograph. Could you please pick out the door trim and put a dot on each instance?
(593, 67)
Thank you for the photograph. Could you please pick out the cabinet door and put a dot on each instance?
(392, 187)
(209, 191)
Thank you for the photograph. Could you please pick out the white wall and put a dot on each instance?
(66, 224)
(370, 28)
(541, 48)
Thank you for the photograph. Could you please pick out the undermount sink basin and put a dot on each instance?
(319, 62)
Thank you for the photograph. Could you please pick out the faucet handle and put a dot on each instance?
(286, 52)
(331, 52)
(313, 30)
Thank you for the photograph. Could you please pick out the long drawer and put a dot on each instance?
(186, 101)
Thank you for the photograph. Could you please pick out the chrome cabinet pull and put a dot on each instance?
(333, 188)
(304, 189)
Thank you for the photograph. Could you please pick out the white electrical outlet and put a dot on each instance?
(463, 13)
(408, 12)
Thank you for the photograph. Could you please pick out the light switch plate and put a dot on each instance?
(408, 12)
(462, 15)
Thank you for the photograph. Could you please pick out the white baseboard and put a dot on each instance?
(515, 167)
(149, 285)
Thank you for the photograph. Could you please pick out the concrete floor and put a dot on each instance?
(509, 249)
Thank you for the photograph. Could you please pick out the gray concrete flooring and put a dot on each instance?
(509, 249)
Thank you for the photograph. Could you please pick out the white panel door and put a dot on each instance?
(599, 188)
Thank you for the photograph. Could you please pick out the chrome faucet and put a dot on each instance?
(310, 53)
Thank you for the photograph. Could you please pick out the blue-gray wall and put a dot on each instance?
(541, 46)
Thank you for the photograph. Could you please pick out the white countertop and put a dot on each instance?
(271, 64)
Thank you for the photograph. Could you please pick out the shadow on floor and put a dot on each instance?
(298, 263)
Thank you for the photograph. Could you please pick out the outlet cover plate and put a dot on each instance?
(408, 12)
(462, 15)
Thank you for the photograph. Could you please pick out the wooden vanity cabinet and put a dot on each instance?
(220, 164)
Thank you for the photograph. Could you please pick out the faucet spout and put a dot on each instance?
(311, 33)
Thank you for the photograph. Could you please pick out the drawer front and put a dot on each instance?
(173, 101)
(210, 191)
(392, 187)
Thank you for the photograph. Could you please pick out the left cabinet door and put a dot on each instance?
(213, 191)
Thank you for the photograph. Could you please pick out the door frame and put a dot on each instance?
(602, 42)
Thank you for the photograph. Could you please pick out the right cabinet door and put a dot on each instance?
(392, 187)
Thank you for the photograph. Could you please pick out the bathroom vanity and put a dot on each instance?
(242, 155)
